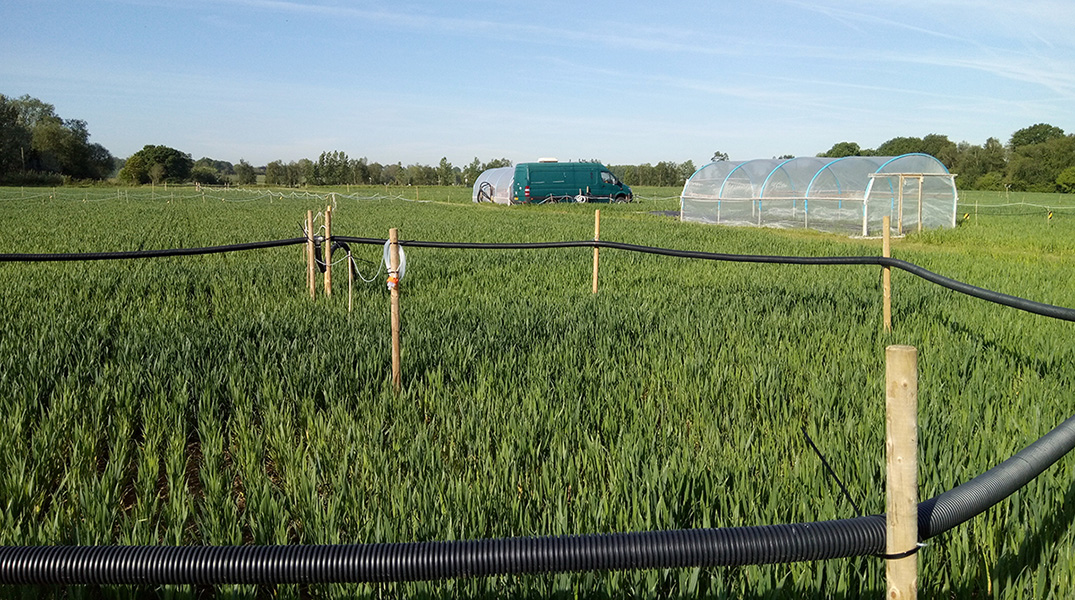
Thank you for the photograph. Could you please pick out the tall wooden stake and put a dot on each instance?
(393, 286)
(596, 237)
(328, 250)
(311, 268)
(350, 283)
(921, 184)
(886, 274)
(899, 217)
(901, 483)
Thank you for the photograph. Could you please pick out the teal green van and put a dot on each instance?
(550, 181)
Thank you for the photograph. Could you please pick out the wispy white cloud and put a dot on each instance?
(641, 37)
(288, 78)
(865, 17)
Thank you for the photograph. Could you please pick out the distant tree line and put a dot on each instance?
(335, 168)
(663, 173)
(38, 146)
(1039, 158)
(161, 164)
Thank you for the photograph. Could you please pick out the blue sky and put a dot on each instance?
(623, 82)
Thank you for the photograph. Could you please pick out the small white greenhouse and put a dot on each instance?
(845, 195)
(494, 185)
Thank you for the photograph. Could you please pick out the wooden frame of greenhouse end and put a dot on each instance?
(903, 177)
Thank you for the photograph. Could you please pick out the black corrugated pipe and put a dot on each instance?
(133, 254)
(1049, 310)
(419, 561)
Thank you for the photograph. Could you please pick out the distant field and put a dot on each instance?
(208, 400)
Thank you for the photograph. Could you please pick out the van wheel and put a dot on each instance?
(620, 198)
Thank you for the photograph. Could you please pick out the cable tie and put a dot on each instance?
(905, 554)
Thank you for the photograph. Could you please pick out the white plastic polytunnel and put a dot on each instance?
(849, 195)
(494, 185)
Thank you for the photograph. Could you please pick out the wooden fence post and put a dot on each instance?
(596, 237)
(327, 253)
(901, 482)
(899, 208)
(311, 268)
(393, 286)
(921, 184)
(886, 274)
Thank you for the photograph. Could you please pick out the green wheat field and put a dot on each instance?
(207, 400)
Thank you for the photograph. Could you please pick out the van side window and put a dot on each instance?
(609, 178)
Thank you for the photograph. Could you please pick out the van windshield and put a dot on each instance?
(609, 178)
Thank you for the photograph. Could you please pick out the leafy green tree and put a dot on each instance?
(394, 174)
(420, 175)
(1035, 134)
(718, 156)
(222, 167)
(156, 173)
(936, 145)
(305, 172)
(685, 171)
(496, 163)
(1066, 180)
(472, 171)
(940, 147)
(135, 169)
(360, 171)
(899, 145)
(375, 172)
(993, 181)
(294, 174)
(842, 149)
(31, 130)
(332, 168)
(667, 173)
(1036, 167)
(205, 175)
(625, 173)
(644, 174)
(275, 173)
(245, 173)
(995, 156)
(14, 139)
(445, 172)
(974, 162)
(33, 111)
(157, 164)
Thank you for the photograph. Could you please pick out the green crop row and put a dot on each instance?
(209, 400)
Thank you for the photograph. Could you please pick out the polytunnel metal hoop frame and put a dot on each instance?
(816, 192)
